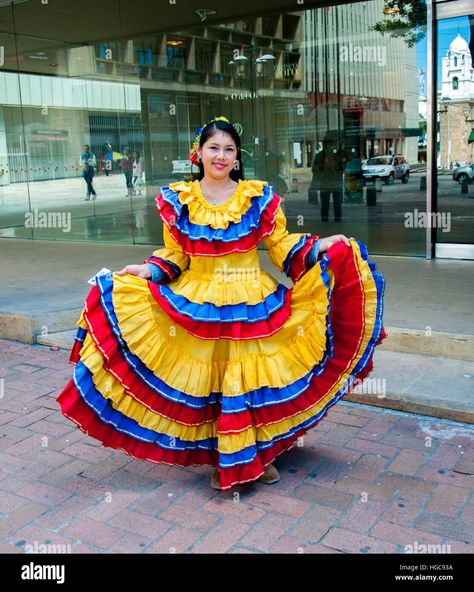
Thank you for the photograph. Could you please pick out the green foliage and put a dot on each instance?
(408, 22)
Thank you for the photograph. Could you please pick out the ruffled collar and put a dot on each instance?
(203, 213)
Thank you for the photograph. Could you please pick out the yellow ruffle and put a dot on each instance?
(111, 389)
(203, 213)
(198, 366)
(234, 442)
(201, 288)
(81, 321)
(229, 443)
(280, 242)
(130, 292)
(121, 401)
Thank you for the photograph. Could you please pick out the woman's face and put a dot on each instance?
(218, 155)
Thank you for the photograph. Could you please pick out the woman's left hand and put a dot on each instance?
(329, 241)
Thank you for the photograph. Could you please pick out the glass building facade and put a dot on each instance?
(134, 81)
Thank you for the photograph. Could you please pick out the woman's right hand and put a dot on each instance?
(141, 271)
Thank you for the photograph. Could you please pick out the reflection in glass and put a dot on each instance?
(455, 132)
(290, 81)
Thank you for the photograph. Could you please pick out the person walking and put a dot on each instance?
(108, 158)
(126, 164)
(328, 172)
(138, 169)
(200, 357)
(88, 164)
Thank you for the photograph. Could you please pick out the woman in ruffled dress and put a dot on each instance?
(199, 356)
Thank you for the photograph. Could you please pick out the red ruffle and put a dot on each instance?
(115, 363)
(219, 248)
(75, 351)
(216, 330)
(298, 264)
(73, 407)
(348, 321)
(163, 265)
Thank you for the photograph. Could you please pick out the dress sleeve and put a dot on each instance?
(292, 253)
(170, 259)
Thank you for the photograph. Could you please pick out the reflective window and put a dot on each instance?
(330, 104)
(454, 219)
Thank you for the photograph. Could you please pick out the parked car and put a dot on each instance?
(464, 174)
(388, 168)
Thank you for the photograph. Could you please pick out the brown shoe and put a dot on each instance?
(215, 480)
(270, 476)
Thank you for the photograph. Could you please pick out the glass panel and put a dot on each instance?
(316, 94)
(14, 194)
(340, 94)
(454, 219)
(70, 96)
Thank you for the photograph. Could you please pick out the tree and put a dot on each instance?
(403, 19)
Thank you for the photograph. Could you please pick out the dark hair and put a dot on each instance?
(208, 131)
(86, 146)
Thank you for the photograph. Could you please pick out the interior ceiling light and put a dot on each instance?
(203, 13)
(392, 10)
(174, 42)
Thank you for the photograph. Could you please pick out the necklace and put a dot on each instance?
(214, 201)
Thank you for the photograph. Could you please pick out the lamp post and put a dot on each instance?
(254, 64)
(445, 101)
(470, 120)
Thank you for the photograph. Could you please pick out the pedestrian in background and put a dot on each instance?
(137, 180)
(328, 171)
(88, 164)
(126, 164)
(108, 158)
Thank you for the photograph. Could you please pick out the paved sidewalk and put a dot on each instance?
(364, 481)
(421, 294)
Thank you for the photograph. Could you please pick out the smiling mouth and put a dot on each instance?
(219, 165)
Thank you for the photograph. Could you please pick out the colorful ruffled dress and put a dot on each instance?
(221, 364)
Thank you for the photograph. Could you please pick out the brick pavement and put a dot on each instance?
(365, 480)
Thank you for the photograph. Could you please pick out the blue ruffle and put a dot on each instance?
(175, 269)
(228, 313)
(249, 454)
(266, 396)
(256, 398)
(107, 414)
(291, 253)
(234, 232)
(140, 369)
